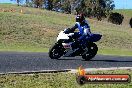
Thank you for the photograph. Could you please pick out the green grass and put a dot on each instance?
(23, 48)
(35, 30)
(116, 52)
(56, 80)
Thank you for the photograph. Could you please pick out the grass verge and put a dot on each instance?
(25, 48)
(115, 52)
(56, 80)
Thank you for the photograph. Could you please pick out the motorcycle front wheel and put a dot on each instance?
(56, 51)
(92, 51)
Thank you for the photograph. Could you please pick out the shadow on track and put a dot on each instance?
(79, 59)
(111, 60)
(70, 59)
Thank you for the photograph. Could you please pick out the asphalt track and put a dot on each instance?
(19, 62)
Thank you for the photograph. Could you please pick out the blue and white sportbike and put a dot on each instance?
(63, 46)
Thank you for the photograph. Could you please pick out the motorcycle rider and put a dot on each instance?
(84, 31)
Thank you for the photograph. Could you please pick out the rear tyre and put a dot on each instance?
(56, 51)
(92, 51)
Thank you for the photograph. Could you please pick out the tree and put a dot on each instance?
(27, 2)
(96, 8)
(49, 4)
(66, 6)
(109, 6)
(56, 5)
(38, 3)
(59, 5)
(17, 1)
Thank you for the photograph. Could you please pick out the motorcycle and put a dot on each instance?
(63, 46)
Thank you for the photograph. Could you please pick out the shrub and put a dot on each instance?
(116, 18)
(130, 22)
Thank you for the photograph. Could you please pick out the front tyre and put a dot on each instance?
(92, 51)
(56, 51)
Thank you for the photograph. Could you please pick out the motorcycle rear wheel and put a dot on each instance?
(56, 51)
(92, 51)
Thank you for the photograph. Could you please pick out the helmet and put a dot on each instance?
(80, 18)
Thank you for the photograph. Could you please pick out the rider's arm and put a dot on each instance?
(87, 26)
(74, 27)
(71, 30)
(87, 30)
(86, 23)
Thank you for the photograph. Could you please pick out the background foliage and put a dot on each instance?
(91, 8)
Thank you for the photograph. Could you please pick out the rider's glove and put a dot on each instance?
(66, 31)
